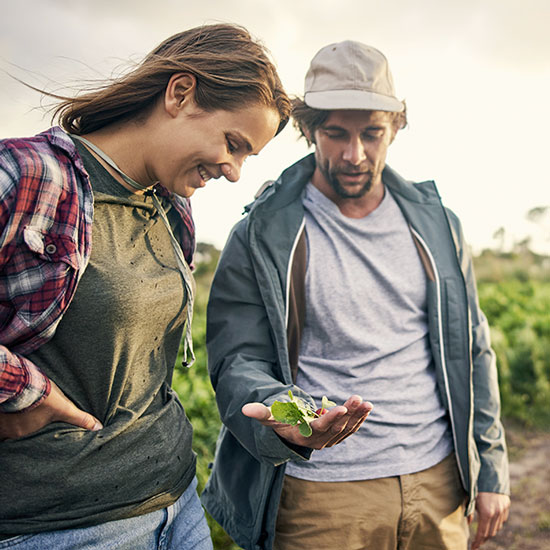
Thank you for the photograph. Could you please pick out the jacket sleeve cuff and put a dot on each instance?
(276, 451)
(303, 452)
(31, 388)
(494, 484)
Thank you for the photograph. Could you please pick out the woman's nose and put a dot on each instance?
(232, 170)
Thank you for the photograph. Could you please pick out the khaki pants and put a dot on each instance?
(420, 511)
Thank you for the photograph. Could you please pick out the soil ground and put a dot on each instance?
(528, 526)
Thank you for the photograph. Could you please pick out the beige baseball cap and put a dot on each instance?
(350, 75)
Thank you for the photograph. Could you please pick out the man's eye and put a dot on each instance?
(334, 135)
(371, 136)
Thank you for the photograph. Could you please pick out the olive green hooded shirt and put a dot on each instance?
(113, 355)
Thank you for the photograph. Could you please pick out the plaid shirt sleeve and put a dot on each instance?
(22, 384)
(25, 288)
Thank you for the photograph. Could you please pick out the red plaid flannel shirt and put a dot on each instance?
(46, 211)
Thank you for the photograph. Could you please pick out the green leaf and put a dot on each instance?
(304, 406)
(325, 403)
(297, 412)
(305, 429)
(288, 413)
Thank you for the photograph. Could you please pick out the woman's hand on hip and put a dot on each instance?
(55, 408)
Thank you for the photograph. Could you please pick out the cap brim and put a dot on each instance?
(352, 99)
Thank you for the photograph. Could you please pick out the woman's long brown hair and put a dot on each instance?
(231, 69)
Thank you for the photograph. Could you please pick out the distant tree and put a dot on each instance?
(523, 246)
(500, 236)
(540, 215)
(206, 259)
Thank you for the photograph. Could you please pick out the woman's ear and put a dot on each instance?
(180, 93)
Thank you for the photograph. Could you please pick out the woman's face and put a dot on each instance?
(194, 145)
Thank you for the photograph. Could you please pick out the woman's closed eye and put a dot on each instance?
(232, 145)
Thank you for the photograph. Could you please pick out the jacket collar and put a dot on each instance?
(290, 185)
(424, 192)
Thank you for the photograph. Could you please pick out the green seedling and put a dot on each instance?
(299, 412)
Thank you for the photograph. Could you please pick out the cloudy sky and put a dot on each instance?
(475, 75)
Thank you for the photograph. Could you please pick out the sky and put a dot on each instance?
(475, 75)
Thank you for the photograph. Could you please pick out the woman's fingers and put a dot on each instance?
(55, 408)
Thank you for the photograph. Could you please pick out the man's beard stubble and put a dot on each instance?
(339, 189)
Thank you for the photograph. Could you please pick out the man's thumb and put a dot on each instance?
(257, 411)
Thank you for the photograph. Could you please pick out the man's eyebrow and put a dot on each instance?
(334, 128)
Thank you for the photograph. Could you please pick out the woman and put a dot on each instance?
(95, 447)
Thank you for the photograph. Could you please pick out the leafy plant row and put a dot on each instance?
(519, 315)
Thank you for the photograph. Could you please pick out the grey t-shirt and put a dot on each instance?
(113, 355)
(366, 333)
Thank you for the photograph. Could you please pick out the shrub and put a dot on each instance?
(519, 316)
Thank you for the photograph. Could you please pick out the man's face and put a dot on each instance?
(350, 152)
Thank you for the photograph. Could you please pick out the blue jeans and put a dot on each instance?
(181, 526)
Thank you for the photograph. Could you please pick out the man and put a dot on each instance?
(346, 279)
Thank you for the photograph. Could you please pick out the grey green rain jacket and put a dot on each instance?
(255, 315)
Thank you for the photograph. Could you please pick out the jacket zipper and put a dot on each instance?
(442, 352)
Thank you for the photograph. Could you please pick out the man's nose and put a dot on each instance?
(354, 152)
